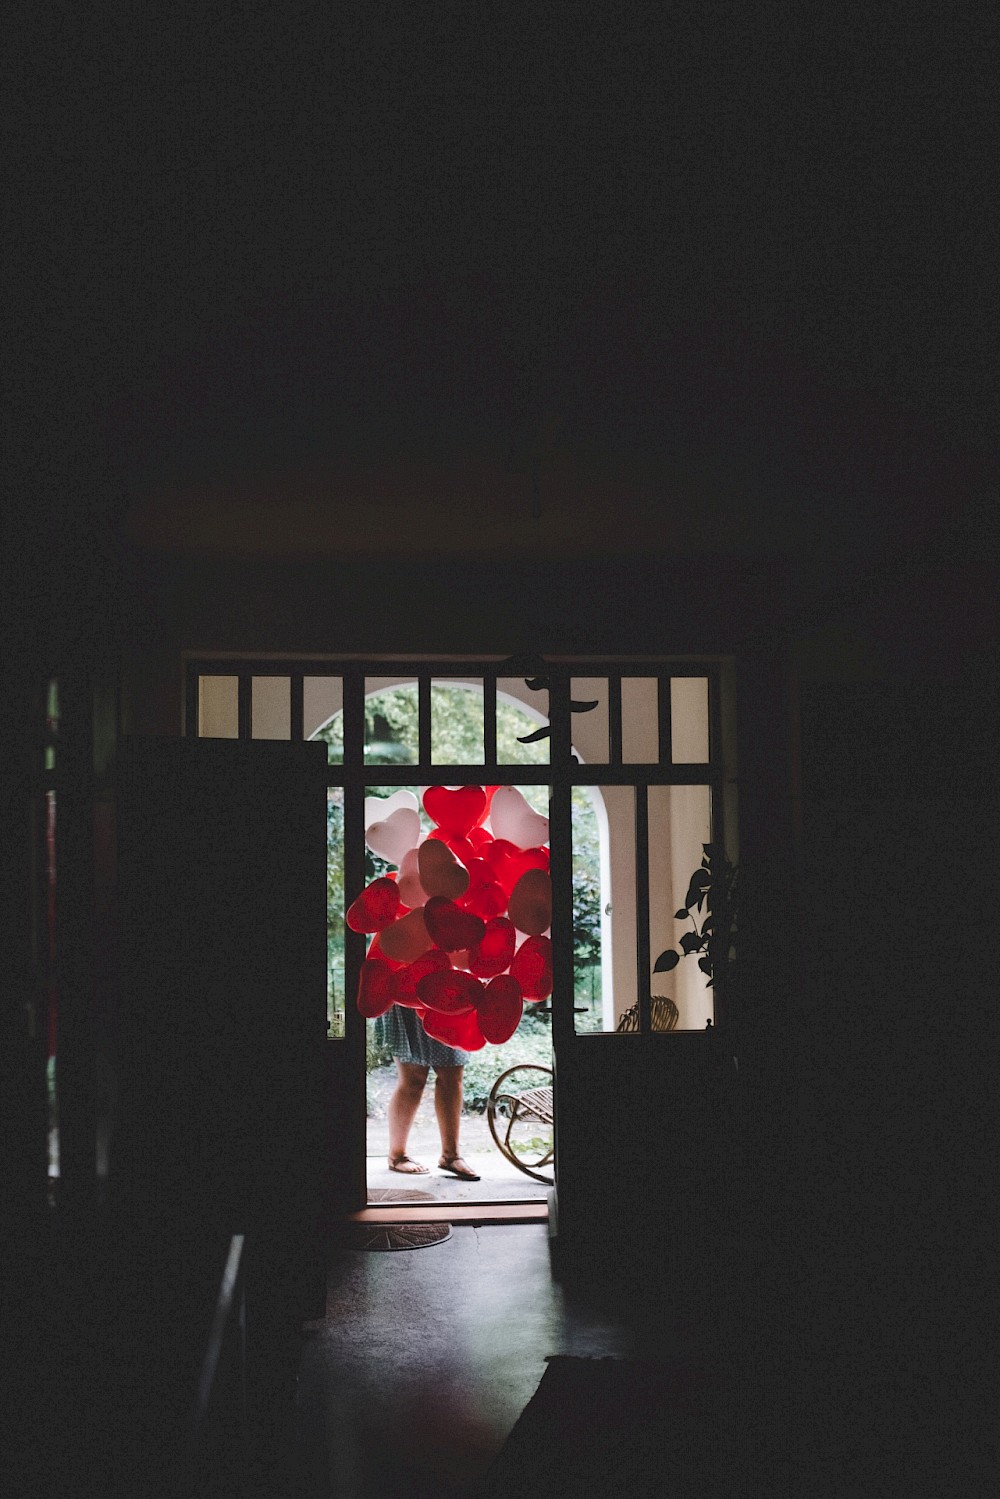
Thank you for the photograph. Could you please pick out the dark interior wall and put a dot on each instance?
(883, 1267)
(433, 605)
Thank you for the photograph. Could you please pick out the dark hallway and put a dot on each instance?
(562, 336)
(427, 1358)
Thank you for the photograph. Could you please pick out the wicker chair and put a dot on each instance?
(533, 1106)
(663, 1015)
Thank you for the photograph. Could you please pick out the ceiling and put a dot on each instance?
(504, 278)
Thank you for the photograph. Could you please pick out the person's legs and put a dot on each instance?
(402, 1109)
(448, 1107)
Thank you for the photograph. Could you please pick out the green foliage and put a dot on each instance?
(531, 1042)
(586, 882)
(376, 1055)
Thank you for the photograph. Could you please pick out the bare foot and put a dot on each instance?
(406, 1165)
(456, 1166)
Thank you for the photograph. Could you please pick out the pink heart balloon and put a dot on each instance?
(530, 906)
(440, 871)
(395, 835)
(378, 808)
(411, 892)
(514, 820)
(406, 939)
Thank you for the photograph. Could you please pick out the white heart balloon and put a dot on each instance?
(378, 808)
(395, 835)
(411, 892)
(514, 820)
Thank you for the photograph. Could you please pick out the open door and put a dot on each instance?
(222, 1022)
(639, 777)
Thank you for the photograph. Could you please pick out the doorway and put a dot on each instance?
(506, 1142)
(628, 764)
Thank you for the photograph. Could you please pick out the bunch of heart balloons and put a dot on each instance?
(460, 927)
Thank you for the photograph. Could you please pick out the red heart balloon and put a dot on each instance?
(375, 988)
(509, 862)
(484, 896)
(532, 967)
(490, 793)
(478, 837)
(455, 810)
(455, 1030)
(375, 907)
(450, 991)
(410, 975)
(449, 926)
(460, 847)
(492, 954)
(500, 1009)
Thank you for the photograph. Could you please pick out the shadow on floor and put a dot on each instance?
(426, 1359)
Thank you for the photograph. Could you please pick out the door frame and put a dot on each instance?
(345, 1056)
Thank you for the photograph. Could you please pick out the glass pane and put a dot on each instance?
(680, 824)
(218, 707)
(457, 722)
(392, 721)
(521, 712)
(335, 990)
(640, 721)
(590, 729)
(270, 708)
(323, 714)
(604, 920)
(689, 720)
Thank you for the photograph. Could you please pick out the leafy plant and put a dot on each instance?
(711, 906)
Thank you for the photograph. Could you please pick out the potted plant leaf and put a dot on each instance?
(711, 906)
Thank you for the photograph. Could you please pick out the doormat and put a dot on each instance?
(403, 1194)
(386, 1236)
(605, 1427)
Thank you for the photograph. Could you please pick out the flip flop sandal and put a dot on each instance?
(407, 1166)
(465, 1173)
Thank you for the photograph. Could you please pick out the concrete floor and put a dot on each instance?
(499, 1180)
(427, 1357)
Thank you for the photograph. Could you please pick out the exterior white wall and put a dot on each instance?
(218, 716)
